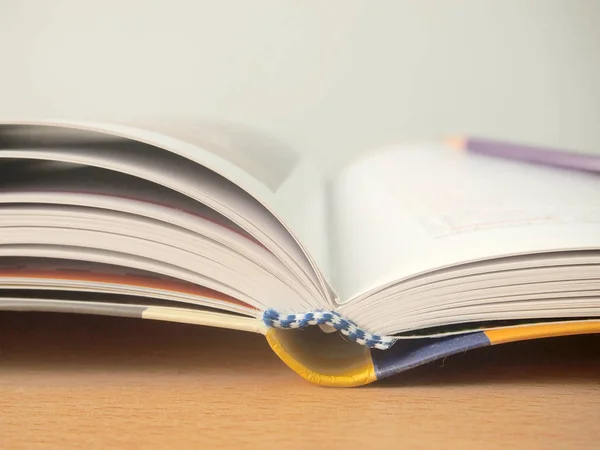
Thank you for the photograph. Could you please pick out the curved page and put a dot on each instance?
(233, 196)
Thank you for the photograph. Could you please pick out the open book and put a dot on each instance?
(407, 254)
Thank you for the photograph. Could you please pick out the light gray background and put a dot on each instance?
(328, 78)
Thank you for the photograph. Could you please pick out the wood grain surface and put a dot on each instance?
(96, 382)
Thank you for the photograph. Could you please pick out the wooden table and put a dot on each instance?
(97, 382)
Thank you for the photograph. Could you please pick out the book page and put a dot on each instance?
(405, 210)
(28, 276)
(227, 179)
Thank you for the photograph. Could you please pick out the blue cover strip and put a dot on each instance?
(406, 354)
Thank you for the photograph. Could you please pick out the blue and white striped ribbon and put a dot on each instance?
(272, 318)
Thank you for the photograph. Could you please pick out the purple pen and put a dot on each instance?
(528, 153)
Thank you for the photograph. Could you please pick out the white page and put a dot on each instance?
(290, 186)
(96, 188)
(116, 258)
(289, 181)
(74, 277)
(121, 291)
(197, 181)
(108, 230)
(409, 209)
